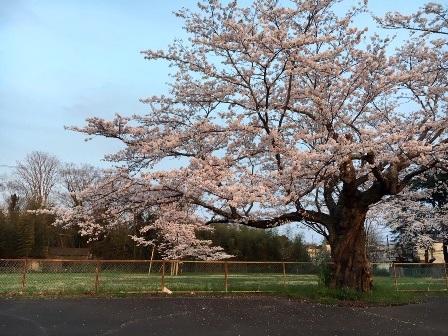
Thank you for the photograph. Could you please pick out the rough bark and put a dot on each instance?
(349, 265)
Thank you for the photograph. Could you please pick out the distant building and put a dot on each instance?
(315, 251)
(432, 255)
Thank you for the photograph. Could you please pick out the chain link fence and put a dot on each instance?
(420, 277)
(12, 276)
(144, 276)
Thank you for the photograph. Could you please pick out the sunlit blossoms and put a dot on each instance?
(118, 201)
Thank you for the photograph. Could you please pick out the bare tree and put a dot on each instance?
(375, 240)
(37, 175)
(75, 179)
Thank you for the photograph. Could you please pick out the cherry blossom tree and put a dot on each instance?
(119, 200)
(419, 215)
(284, 114)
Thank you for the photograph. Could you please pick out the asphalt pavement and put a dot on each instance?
(197, 316)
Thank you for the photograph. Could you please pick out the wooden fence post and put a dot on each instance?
(152, 258)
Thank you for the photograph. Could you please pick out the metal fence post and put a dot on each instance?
(284, 274)
(395, 277)
(163, 275)
(226, 278)
(97, 271)
(446, 279)
(22, 288)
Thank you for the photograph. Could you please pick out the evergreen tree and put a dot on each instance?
(249, 244)
(26, 235)
(9, 236)
(2, 232)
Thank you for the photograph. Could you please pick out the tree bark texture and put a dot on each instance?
(349, 265)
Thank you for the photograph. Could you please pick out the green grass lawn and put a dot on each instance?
(10, 282)
(301, 281)
(299, 286)
(411, 283)
(113, 281)
(421, 284)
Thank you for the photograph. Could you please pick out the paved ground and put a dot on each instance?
(198, 316)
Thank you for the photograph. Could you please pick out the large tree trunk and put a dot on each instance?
(349, 265)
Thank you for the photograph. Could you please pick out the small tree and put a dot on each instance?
(101, 210)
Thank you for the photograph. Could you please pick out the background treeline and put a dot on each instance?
(41, 181)
(249, 244)
(22, 233)
(25, 234)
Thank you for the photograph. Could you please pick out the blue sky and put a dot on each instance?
(62, 61)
